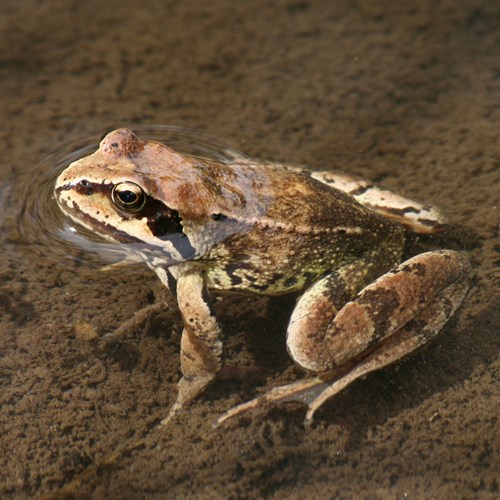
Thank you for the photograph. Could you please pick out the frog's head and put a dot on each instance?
(139, 193)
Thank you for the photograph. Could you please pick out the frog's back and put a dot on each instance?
(303, 229)
(296, 202)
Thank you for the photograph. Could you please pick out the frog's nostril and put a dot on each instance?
(85, 187)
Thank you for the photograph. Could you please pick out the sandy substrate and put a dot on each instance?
(406, 95)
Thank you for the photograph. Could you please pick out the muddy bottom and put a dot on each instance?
(405, 95)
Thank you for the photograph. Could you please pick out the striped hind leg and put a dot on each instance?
(419, 218)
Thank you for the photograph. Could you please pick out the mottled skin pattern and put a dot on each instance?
(272, 229)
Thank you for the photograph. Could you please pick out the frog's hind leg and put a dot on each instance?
(419, 218)
(388, 320)
(413, 335)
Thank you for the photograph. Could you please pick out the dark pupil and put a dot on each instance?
(127, 197)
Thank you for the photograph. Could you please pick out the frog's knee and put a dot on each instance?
(302, 354)
(309, 340)
(305, 339)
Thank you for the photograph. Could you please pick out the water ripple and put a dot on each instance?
(42, 223)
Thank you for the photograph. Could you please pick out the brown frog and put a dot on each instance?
(272, 229)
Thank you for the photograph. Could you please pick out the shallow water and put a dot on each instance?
(402, 93)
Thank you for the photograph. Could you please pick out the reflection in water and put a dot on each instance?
(42, 222)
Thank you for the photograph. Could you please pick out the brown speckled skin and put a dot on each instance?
(266, 229)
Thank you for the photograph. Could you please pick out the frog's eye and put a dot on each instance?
(128, 196)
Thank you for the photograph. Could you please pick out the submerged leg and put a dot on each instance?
(202, 347)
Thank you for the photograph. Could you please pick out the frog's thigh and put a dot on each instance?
(430, 283)
(410, 337)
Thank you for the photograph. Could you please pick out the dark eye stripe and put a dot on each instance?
(86, 188)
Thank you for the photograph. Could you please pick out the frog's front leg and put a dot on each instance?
(201, 343)
(387, 320)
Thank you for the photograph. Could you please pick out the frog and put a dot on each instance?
(334, 241)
